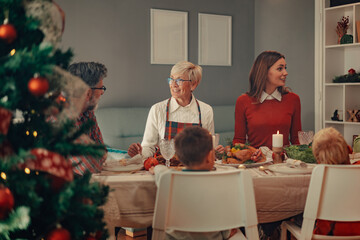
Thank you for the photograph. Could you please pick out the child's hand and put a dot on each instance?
(233, 232)
(151, 170)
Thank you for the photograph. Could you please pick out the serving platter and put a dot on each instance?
(118, 167)
(286, 169)
(248, 165)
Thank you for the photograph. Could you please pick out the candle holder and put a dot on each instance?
(278, 154)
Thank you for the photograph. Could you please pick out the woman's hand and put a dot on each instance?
(134, 149)
(220, 149)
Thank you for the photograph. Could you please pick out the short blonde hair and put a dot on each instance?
(329, 147)
(187, 68)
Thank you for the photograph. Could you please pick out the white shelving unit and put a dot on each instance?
(333, 59)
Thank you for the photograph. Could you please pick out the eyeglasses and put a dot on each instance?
(99, 88)
(178, 81)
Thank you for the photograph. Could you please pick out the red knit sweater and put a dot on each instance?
(260, 121)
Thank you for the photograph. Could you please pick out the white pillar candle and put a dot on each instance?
(277, 140)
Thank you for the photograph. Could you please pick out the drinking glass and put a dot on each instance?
(216, 138)
(167, 150)
(305, 137)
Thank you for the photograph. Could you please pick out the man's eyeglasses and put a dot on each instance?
(178, 81)
(99, 88)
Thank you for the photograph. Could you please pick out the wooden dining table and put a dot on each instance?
(132, 196)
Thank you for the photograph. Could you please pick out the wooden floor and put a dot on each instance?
(123, 236)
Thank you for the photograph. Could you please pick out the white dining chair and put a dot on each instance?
(333, 195)
(205, 202)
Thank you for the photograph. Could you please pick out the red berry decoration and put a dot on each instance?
(8, 33)
(150, 162)
(38, 86)
(58, 234)
(351, 71)
(6, 202)
(282, 155)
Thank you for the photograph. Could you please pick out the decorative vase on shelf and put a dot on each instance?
(341, 28)
(347, 38)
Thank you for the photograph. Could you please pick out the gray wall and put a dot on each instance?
(287, 26)
(117, 33)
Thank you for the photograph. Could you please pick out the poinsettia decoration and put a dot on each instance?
(352, 76)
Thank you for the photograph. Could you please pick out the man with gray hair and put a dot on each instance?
(92, 74)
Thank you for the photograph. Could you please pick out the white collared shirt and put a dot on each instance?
(155, 124)
(275, 95)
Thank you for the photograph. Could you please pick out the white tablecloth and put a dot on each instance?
(132, 197)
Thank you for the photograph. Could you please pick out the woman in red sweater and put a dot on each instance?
(268, 106)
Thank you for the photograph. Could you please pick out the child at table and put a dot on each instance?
(195, 150)
(330, 147)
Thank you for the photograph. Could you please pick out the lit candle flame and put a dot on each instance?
(277, 132)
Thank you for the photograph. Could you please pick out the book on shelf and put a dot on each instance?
(135, 232)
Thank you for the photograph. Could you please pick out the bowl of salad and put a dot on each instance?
(300, 152)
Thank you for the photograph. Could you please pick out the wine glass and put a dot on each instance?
(167, 150)
(305, 137)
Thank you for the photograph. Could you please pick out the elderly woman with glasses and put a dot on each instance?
(172, 115)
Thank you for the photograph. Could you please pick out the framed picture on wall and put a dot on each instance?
(214, 39)
(168, 37)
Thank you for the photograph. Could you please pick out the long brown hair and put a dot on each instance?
(259, 71)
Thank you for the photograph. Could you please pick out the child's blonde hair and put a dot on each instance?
(329, 147)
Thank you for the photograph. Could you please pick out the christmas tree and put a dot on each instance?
(39, 101)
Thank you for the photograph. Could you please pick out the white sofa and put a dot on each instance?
(121, 126)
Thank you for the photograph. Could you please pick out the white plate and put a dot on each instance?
(121, 168)
(284, 168)
(249, 165)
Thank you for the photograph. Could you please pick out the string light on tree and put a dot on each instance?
(27, 170)
(12, 52)
(3, 175)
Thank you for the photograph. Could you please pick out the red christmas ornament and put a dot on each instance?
(6, 202)
(351, 71)
(59, 168)
(98, 234)
(38, 86)
(5, 149)
(8, 33)
(5, 118)
(58, 234)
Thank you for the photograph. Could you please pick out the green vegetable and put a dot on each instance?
(248, 161)
(300, 152)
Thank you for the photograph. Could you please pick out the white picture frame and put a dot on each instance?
(215, 33)
(168, 37)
